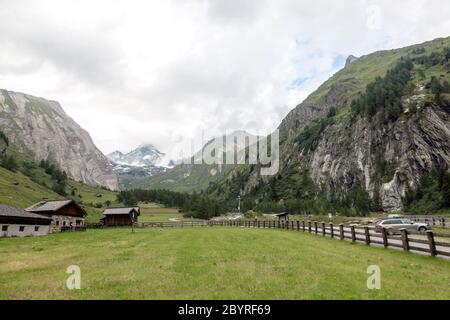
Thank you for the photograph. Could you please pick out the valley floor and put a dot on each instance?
(212, 263)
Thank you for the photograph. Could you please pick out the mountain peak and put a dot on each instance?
(350, 60)
(144, 155)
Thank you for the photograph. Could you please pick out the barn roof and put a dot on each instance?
(52, 206)
(6, 211)
(121, 211)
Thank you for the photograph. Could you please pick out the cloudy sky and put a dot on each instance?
(162, 72)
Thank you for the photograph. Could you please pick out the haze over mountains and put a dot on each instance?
(187, 174)
(143, 161)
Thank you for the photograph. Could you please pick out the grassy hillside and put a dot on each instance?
(355, 77)
(212, 263)
(20, 191)
(26, 182)
(182, 178)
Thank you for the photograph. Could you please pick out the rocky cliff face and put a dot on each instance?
(386, 159)
(42, 127)
(351, 151)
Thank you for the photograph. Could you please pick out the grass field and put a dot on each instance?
(152, 212)
(212, 263)
(159, 215)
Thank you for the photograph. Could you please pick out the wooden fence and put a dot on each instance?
(435, 221)
(407, 240)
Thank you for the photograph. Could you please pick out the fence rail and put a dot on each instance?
(407, 240)
(435, 221)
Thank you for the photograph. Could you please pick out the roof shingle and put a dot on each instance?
(48, 205)
(6, 211)
(120, 211)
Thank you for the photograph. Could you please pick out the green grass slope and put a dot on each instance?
(182, 178)
(212, 263)
(20, 191)
(356, 76)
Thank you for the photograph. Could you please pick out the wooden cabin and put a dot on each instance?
(282, 216)
(66, 214)
(20, 223)
(121, 216)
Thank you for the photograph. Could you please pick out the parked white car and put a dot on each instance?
(393, 226)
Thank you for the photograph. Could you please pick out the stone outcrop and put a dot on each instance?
(43, 128)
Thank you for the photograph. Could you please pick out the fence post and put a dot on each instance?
(298, 225)
(287, 225)
(303, 225)
(292, 225)
(352, 228)
(309, 226)
(434, 221)
(264, 224)
(443, 222)
(315, 227)
(331, 230)
(366, 231)
(324, 231)
(385, 238)
(431, 243)
(405, 241)
(278, 224)
(341, 231)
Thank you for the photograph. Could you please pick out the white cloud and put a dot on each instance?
(163, 71)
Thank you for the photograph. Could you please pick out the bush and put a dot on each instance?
(9, 162)
(431, 195)
(59, 188)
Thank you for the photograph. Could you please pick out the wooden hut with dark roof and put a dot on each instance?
(20, 223)
(65, 214)
(121, 216)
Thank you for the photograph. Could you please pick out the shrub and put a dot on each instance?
(9, 162)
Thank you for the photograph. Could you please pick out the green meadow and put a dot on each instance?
(212, 263)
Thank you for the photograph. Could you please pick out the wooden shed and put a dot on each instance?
(121, 216)
(282, 216)
(66, 214)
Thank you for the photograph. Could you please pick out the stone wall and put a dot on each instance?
(14, 230)
(65, 221)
